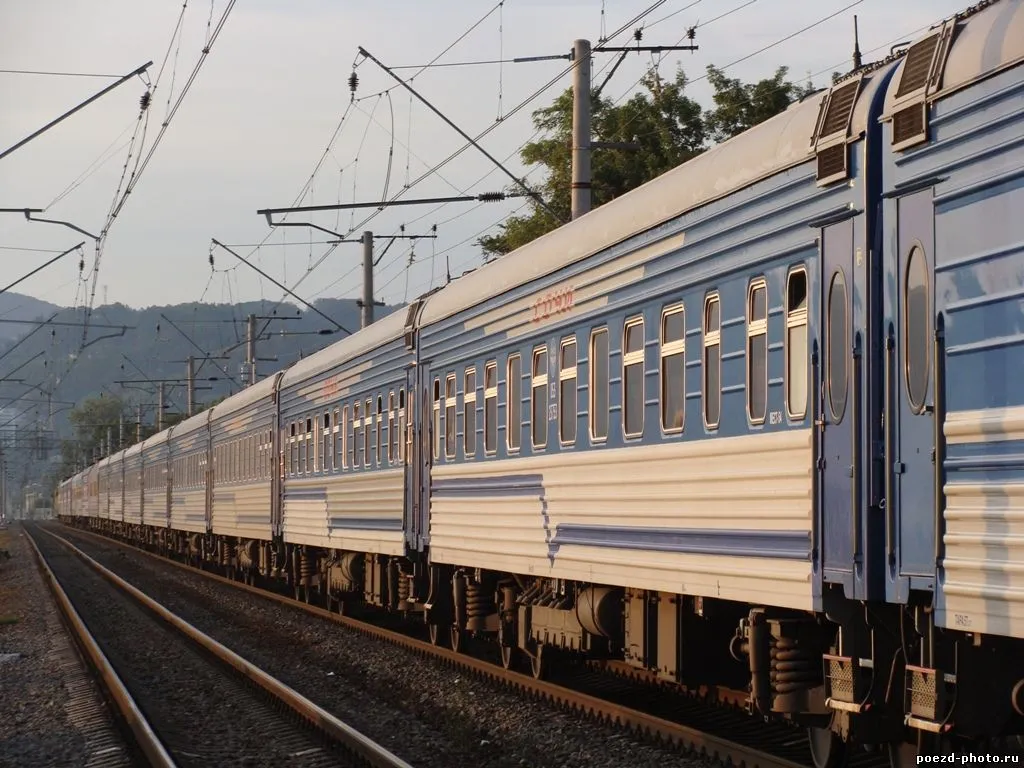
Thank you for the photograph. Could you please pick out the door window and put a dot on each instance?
(837, 346)
(917, 328)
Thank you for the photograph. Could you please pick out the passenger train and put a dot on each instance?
(752, 426)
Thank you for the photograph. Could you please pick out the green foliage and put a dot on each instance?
(668, 127)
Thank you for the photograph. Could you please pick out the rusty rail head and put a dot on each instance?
(146, 740)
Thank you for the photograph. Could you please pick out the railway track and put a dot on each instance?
(722, 734)
(188, 700)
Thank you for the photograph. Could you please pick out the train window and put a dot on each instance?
(539, 417)
(469, 414)
(367, 433)
(673, 368)
(378, 440)
(326, 454)
(437, 419)
(490, 407)
(796, 343)
(567, 392)
(599, 385)
(917, 328)
(342, 446)
(757, 351)
(401, 425)
(514, 395)
(357, 434)
(337, 443)
(837, 346)
(391, 428)
(294, 442)
(712, 361)
(315, 451)
(633, 378)
(449, 416)
(310, 447)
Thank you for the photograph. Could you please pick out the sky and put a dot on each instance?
(273, 90)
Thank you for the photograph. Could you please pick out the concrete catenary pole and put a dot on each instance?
(581, 128)
(160, 407)
(190, 385)
(250, 348)
(367, 279)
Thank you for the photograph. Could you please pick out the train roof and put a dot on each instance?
(247, 396)
(134, 449)
(780, 142)
(989, 38)
(159, 438)
(379, 333)
(190, 425)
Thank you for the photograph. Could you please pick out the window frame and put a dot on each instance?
(711, 339)
(469, 405)
(451, 407)
(367, 433)
(797, 318)
(565, 374)
(629, 359)
(491, 393)
(378, 433)
(401, 426)
(665, 351)
(391, 427)
(514, 407)
(436, 422)
(538, 380)
(592, 385)
(756, 328)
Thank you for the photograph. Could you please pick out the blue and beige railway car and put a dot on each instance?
(638, 388)
(189, 448)
(129, 463)
(342, 438)
(241, 431)
(156, 481)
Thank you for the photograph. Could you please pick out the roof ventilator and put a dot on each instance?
(920, 78)
(832, 132)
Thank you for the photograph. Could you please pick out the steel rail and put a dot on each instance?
(715, 747)
(145, 738)
(355, 742)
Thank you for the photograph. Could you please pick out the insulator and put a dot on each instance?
(638, 34)
(211, 261)
(491, 197)
(147, 97)
(691, 33)
(353, 82)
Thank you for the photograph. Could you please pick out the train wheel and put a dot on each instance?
(827, 749)
(456, 639)
(434, 630)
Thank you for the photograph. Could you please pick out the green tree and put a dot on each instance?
(89, 421)
(740, 106)
(667, 127)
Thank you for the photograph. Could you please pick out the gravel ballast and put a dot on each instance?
(427, 713)
(51, 711)
(204, 714)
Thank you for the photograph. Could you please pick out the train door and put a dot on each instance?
(414, 458)
(910, 433)
(837, 414)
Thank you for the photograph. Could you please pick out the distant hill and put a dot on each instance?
(151, 348)
(17, 306)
